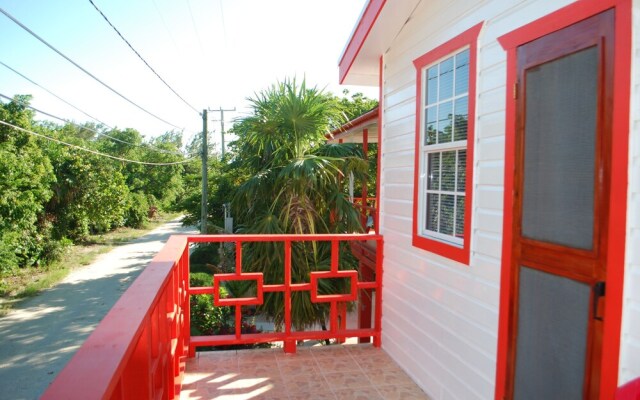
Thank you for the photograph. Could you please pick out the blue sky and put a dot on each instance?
(212, 52)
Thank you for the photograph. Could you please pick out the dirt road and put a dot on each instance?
(40, 335)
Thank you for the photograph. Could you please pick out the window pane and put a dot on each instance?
(560, 147)
(460, 216)
(553, 319)
(449, 171)
(447, 204)
(461, 110)
(444, 122)
(462, 72)
(432, 85)
(446, 79)
(430, 127)
(433, 179)
(431, 223)
(462, 171)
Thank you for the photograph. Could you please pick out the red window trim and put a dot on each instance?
(557, 20)
(451, 251)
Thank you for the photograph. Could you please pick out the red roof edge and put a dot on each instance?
(358, 37)
(354, 123)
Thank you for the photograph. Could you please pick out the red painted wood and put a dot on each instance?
(140, 348)
(359, 36)
(562, 18)
(629, 391)
(318, 298)
(364, 119)
(466, 38)
(116, 360)
(256, 276)
(376, 218)
(336, 325)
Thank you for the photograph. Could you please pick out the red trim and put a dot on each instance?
(618, 205)
(359, 36)
(376, 222)
(507, 224)
(466, 38)
(121, 358)
(630, 391)
(619, 170)
(238, 301)
(355, 123)
(315, 276)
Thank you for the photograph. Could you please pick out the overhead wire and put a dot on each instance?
(76, 108)
(142, 58)
(94, 151)
(20, 24)
(55, 95)
(195, 28)
(224, 26)
(144, 145)
(164, 23)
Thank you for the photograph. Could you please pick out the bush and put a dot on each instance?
(8, 244)
(137, 213)
(207, 319)
(205, 253)
(199, 279)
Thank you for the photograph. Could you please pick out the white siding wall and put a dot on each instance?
(630, 344)
(440, 318)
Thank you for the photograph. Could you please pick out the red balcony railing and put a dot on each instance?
(138, 351)
(367, 212)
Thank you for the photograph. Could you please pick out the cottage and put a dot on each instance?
(509, 192)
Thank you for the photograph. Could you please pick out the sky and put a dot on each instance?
(213, 53)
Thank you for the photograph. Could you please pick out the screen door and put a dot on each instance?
(561, 181)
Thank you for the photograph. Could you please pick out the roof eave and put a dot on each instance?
(356, 41)
(379, 25)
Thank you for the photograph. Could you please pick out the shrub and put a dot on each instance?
(137, 213)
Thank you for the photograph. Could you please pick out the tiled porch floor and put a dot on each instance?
(313, 373)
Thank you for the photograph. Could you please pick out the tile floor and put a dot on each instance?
(349, 372)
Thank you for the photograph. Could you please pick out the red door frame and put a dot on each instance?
(578, 11)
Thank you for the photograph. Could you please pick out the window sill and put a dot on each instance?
(444, 249)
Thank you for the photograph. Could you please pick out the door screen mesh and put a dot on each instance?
(559, 146)
(552, 330)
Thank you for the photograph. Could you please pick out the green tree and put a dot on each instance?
(355, 105)
(150, 186)
(25, 178)
(89, 194)
(297, 186)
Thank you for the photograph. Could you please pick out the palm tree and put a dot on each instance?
(296, 186)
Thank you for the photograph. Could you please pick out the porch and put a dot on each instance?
(144, 347)
(351, 371)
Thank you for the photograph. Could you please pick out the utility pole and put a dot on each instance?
(205, 178)
(222, 123)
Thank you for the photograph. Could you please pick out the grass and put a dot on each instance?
(29, 282)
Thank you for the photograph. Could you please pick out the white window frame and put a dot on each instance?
(441, 148)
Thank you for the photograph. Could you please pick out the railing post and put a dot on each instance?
(238, 308)
(364, 300)
(377, 340)
(186, 283)
(289, 345)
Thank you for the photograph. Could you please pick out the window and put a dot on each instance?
(444, 147)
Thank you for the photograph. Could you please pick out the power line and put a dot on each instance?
(20, 24)
(224, 27)
(141, 58)
(195, 28)
(94, 151)
(97, 132)
(78, 109)
(164, 23)
(55, 95)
